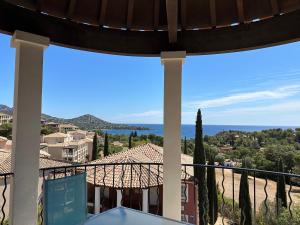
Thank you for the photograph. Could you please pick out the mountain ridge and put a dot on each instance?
(84, 122)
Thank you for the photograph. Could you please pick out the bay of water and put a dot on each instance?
(189, 130)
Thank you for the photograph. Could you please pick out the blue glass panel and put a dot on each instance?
(65, 200)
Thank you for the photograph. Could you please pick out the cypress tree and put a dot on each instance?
(185, 146)
(281, 192)
(95, 154)
(129, 141)
(212, 192)
(105, 152)
(244, 199)
(200, 172)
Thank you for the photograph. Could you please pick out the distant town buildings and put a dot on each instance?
(53, 126)
(5, 118)
(73, 146)
(65, 128)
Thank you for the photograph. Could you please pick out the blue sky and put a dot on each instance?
(260, 87)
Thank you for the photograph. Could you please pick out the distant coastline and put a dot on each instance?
(189, 130)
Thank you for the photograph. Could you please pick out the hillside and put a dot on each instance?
(5, 109)
(84, 122)
(90, 122)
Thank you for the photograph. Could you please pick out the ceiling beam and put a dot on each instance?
(102, 12)
(39, 5)
(275, 7)
(240, 9)
(156, 14)
(183, 14)
(70, 9)
(213, 17)
(172, 16)
(130, 13)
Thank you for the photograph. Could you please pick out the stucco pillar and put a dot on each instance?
(119, 198)
(26, 127)
(172, 62)
(145, 200)
(97, 200)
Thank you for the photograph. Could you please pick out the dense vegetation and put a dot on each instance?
(262, 149)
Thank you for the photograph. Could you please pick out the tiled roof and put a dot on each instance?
(58, 134)
(142, 175)
(5, 163)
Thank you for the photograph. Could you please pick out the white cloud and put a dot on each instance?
(278, 93)
(285, 107)
(283, 114)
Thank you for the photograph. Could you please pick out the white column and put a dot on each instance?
(119, 198)
(26, 127)
(172, 62)
(97, 200)
(145, 200)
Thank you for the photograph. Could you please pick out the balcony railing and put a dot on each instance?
(4, 198)
(126, 184)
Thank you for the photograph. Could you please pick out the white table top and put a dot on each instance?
(125, 216)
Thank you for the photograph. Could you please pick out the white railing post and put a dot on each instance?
(119, 198)
(172, 62)
(26, 127)
(97, 201)
(145, 200)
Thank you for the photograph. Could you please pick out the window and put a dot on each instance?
(184, 193)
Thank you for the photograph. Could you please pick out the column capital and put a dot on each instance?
(172, 56)
(29, 38)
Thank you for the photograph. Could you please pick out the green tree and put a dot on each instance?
(95, 154)
(6, 130)
(130, 141)
(212, 192)
(244, 199)
(220, 159)
(281, 192)
(297, 136)
(200, 172)
(185, 147)
(106, 151)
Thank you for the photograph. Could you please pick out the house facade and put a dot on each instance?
(5, 118)
(138, 184)
(74, 146)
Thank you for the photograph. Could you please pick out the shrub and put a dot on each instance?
(277, 217)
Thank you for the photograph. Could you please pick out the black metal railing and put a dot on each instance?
(4, 190)
(131, 180)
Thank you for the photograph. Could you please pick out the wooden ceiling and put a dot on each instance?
(163, 24)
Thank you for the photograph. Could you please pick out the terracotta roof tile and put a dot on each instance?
(135, 176)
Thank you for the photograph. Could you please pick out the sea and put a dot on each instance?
(188, 131)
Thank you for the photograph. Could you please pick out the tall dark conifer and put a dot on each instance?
(185, 147)
(106, 152)
(130, 141)
(212, 192)
(281, 192)
(244, 199)
(200, 172)
(95, 154)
